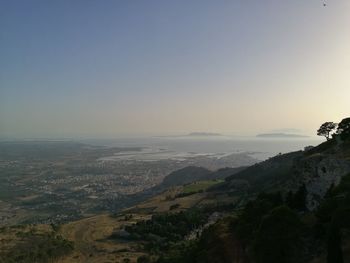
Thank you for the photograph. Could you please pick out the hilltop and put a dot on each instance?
(192, 174)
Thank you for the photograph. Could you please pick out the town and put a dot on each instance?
(80, 182)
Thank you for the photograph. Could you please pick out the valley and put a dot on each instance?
(57, 182)
(193, 214)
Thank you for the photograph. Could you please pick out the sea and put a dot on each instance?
(169, 146)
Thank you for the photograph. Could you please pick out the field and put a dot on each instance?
(92, 241)
(92, 236)
(44, 182)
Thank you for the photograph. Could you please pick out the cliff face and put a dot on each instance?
(319, 172)
(318, 168)
(321, 168)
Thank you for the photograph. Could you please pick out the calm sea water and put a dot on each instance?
(260, 148)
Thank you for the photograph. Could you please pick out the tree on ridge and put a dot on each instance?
(326, 129)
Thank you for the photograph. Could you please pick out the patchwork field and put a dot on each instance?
(91, 236)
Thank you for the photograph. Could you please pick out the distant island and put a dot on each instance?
(204, 134)
(280, 135)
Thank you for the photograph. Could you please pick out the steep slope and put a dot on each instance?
(320, 168)
(317, 168)
(192, 174)
(185, 175)
(249, 224)
(267, 174)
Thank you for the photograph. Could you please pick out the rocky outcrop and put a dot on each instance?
(317, 167)
(319, 172)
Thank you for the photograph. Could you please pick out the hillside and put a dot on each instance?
(291, 218)
(185, 175)
(304, 217)
(191, 174)
(265, 175)
(291, 208)
(318, 168)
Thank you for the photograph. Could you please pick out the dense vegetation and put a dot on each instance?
(33, 247)
(163, 230)
(274, 229)
(334, 215)
(330, 128)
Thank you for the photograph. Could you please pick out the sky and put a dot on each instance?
(134, 67)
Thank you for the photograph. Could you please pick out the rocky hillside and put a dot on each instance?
(292, 208)
(266, 175)
(320, 168)
(317, 168)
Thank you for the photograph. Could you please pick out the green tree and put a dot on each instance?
(344, 128)
(143, 259)
(278, 237)
(326, 129)
(334, 250)
(298, 200)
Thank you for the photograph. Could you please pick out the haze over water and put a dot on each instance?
(257, 147)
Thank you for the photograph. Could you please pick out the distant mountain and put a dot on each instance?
(191, 174)
(185, 175)
(223, 173)
(204, 134)
(281, 135)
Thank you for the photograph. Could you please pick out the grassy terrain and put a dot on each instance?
(92, 236)
(92, 243)
(200, 186)
(32, 244)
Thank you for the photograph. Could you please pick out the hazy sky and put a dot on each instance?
(110, 68)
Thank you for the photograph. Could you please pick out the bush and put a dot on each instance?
(278, 237)
(37, 248)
